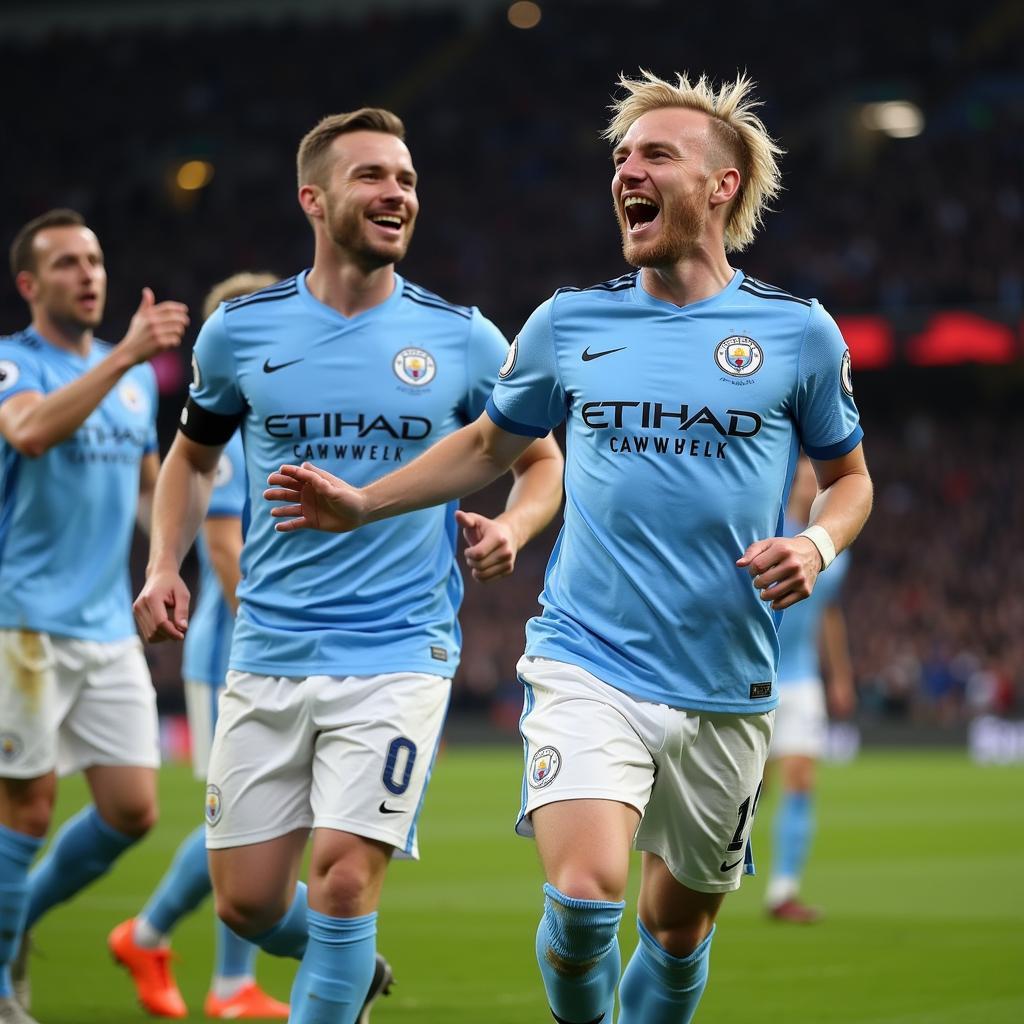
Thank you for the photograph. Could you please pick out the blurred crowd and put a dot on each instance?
(504, 128)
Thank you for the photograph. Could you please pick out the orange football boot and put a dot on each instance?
(150, 969)
(250, 1002)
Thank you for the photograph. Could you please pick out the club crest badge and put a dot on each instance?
(213, 805)
(414, 366)
(9, 374)
(544, 767)
(510, 360)
(131, 396)
(10, 747)
(846, 374)
(739, 356)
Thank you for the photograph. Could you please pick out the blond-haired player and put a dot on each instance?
(649, 678)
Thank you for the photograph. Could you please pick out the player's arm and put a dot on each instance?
(149, 470)
(33, 422)
(533, 500)
(784, 569)
(179, 506)
(458, 465)
(835, 649)
(223, 536)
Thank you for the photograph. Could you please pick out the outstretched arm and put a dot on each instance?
(458, 465)
(784, 569)
(179, 505)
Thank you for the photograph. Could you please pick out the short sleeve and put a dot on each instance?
(19, 372)
(214, 384)
(826, 413)
(227, 498)
(529, 398)
(487, 351)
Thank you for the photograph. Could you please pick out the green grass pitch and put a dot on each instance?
(919, 863)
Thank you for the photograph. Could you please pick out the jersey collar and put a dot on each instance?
(330, 313)
(644, 298)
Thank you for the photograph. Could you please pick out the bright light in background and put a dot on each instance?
(524, 14)
(899, 119)
(194, 175)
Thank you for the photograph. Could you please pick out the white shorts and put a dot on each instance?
(201, 707)
(351, 753)
(801, 721)
(693, 776)
(69, 704)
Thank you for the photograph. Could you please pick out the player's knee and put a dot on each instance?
(30, 807)
(246, 913)
(681, 940)
(587, 883)
(575, 933)
(134, 817)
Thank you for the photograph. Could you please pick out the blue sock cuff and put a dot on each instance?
(108, 832)
(580, 930)
(341, 931)
(18, 847)
(673, 965)
(289, 936)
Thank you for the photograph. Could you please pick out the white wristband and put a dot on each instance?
(819, 537)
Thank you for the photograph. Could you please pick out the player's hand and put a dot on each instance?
(492, 547)
(317, 500)
(842, 698)
(155, 327)
(161, 609)
(783, 569)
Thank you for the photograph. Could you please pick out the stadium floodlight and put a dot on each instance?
(524, 14)
(899, 119)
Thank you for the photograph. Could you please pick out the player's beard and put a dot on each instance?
(348, 228)
(64, 311)
(683, 224)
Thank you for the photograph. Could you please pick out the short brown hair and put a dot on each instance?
(311, 160)
(23, 255)
(234, 286)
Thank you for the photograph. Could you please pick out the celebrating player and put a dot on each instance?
(649, 677)
(344, 647)
(141, 943)
(801, 721)
(78, 461)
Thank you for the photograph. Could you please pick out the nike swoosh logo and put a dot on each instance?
(588, 355)
(729, 867)
(384, 809)
(267, 368)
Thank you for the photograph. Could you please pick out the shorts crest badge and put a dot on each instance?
(414, 366)
(739, 356)
(214, 808)
(10, 747)
(544, 767)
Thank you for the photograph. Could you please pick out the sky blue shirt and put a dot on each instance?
(67, 517)
(208, 640)
(682, 432)
(360, 397)
(800, 630)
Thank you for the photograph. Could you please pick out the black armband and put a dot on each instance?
(205, 427)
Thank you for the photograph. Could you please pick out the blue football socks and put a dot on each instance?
(184, 886)
(289, 936)
(336, 971)
(578, 954)
(794, 829)
(658, 988)
(83, 850)
(16, 853)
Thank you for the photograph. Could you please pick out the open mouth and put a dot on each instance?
(390, 221)
(639, 212)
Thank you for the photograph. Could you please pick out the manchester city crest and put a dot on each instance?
(739, 356)
(10, 747)
(213, 805)
(414, 366)
(131, 396)
(544, 767)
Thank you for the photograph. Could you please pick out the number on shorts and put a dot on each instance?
(748, 807)
(399, 785)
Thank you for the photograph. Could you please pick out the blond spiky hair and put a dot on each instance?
(737, 128)
(237, 284)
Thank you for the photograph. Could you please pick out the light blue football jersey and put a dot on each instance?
(360, 397)
(208, 640)
(682, 431)
(800, 629)
(67, 517)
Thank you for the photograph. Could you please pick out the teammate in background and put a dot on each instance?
(649, 675)
(78, 463)
(344, 647)
(142, 943)
(801, 721)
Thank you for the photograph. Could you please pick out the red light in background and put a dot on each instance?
(870, 340)
(951, 338)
